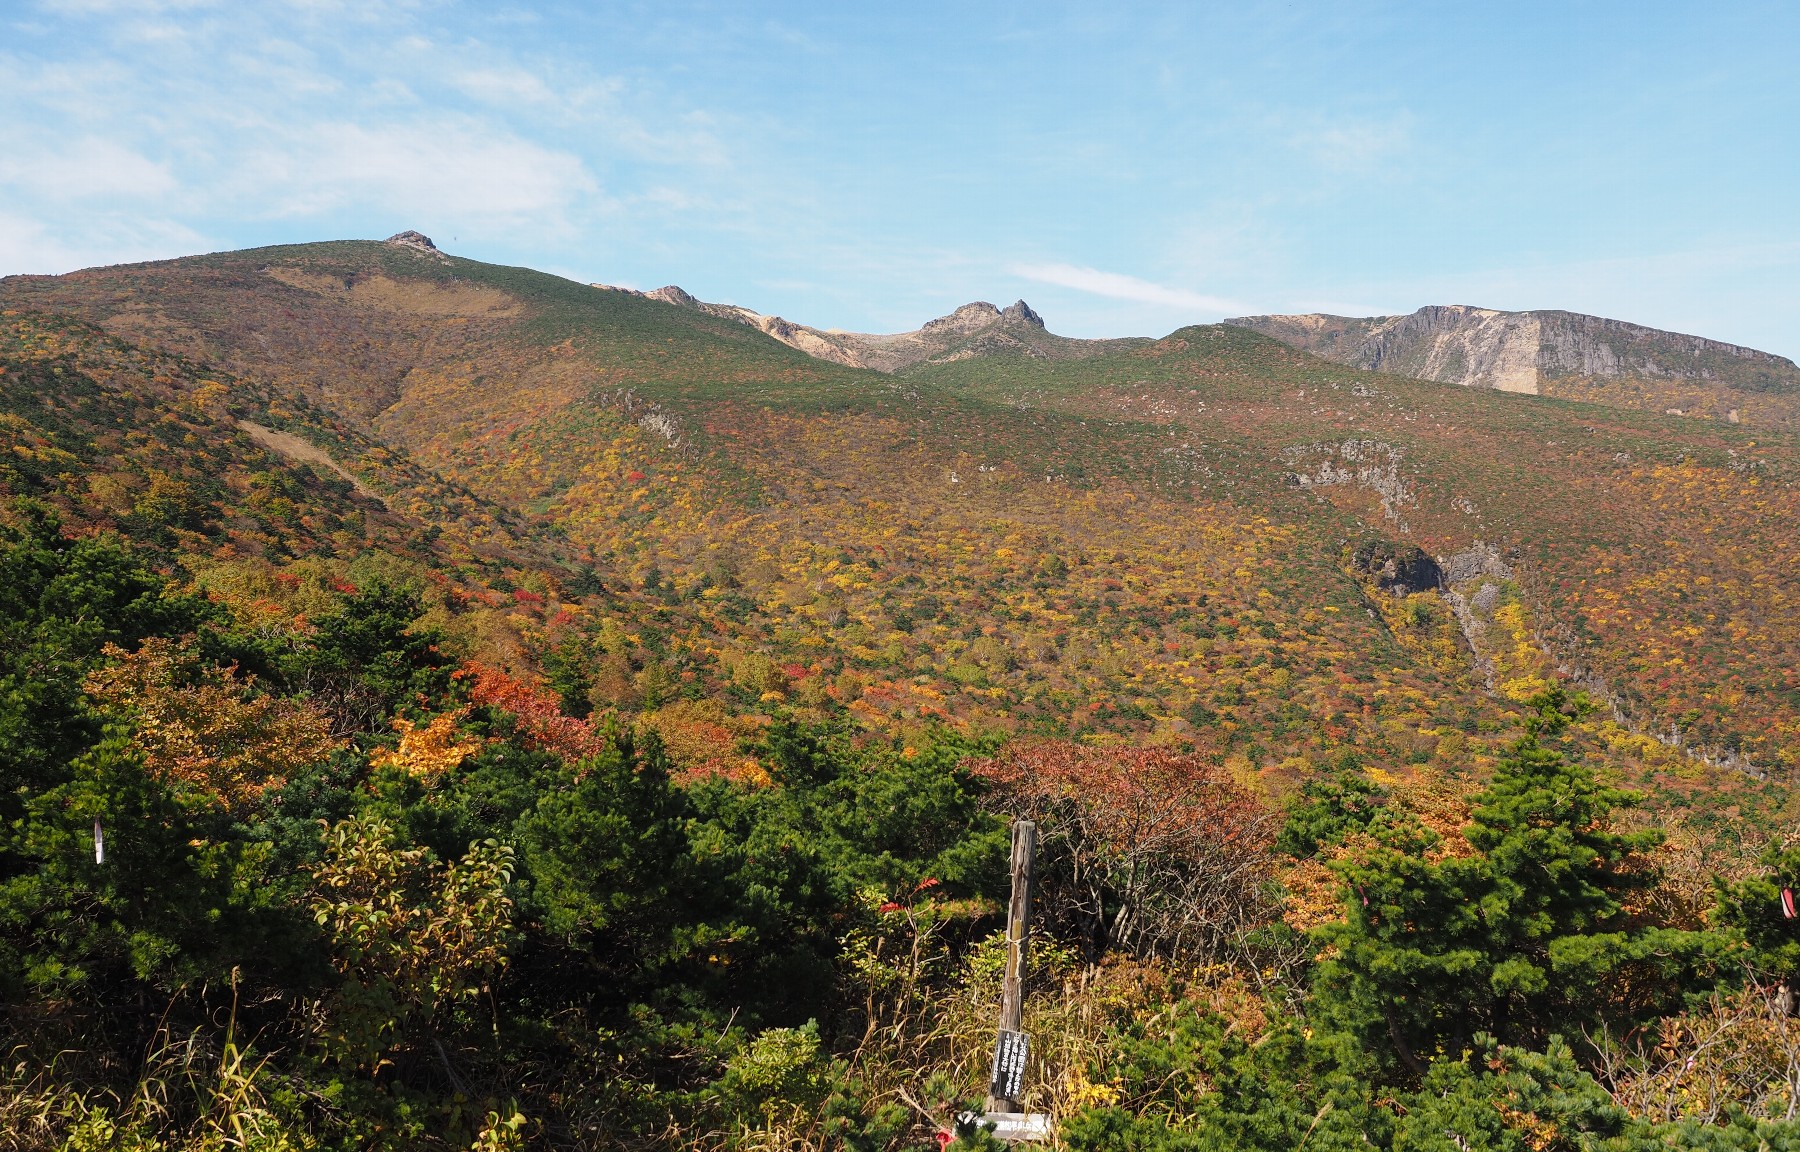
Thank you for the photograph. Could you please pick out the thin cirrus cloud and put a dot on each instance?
(87, 167)
(28, 244)
(1354, 148)
(284, 124)
(1118, 286)
(468, 171)
(504, 86)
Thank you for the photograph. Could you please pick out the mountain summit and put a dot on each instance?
(411, 239)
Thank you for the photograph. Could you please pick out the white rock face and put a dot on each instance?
(1521, 351)
(1500, 352)
(1475, 347)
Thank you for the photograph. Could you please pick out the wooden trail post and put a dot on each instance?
(1010, 1051)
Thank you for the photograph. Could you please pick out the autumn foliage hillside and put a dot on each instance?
(1651, 551)
(1142, 543)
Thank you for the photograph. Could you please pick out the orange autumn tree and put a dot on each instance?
(1144, 850)
(200, 726)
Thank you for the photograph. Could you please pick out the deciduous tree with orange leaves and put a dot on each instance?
(541, 722)
(201, 726)
(1145, 850)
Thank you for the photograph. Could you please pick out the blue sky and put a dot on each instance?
(1125, 168)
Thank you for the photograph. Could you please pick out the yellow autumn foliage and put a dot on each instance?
(429, 751)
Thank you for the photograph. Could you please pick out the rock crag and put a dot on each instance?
(411, 239)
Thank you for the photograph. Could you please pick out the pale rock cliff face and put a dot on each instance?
(1521, 351)
(1476, 347)
(973, 330)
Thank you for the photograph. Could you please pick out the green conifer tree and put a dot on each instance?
(1526, 936)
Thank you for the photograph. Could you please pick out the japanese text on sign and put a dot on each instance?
(1009, 1065)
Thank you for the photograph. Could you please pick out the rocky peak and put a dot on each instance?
(969, 318)
(670, 294)
(783, 330)
(411, 239)
(1021, 312)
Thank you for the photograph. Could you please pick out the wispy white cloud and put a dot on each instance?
(504, 86)
(1355, 147)
(124, 7)
(85, 168)
(27, 245)
(269, 112)
(1118, 286)
(457, 169)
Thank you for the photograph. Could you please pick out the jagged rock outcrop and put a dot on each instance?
(1369, 464)
(1524, 351)
(1020, 312)
(671, 294)
(974, 330)
(1399, 569)
(1474, 562)
(411, 239)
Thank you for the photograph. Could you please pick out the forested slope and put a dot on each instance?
(657, 437)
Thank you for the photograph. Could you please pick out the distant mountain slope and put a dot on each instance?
(409, 342)
(1644, 551)
(973, 330)
(181, 456)
(1546, 352)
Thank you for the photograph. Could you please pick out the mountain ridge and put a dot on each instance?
(1552, 352)
(975, 329)
(1539, 352)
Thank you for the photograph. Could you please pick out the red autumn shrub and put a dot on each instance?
(1145, 850)
(541, 721)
